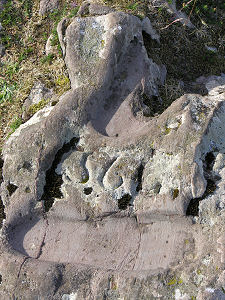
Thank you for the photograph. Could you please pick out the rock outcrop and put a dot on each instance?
(101, 193)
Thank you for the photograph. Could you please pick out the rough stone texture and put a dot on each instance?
(49, 49)
(93, 8)
(2, 48)
(147, 27)
(38, 92)
(96, 189)
(48, 6)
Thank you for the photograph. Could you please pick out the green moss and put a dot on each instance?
(175, 193)
(62, 84)
(172, 281)
(15, 124)
(36, 107)
(48, 58)
(166, 130)
(85, 179)
(175, 281)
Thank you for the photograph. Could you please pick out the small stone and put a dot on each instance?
(47, 6)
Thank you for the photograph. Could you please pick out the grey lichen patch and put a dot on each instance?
(162, 173)
(91, 40)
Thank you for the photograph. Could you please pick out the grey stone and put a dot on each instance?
(61, 28)
(93, 8)
(2, 50)
(48, 47)
(47, 6)
(147, 27)
(38, 92)
(213, 84)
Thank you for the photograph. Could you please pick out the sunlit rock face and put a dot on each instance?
(101, 193)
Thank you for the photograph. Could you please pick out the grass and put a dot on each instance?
(6, 91)
(24, 37)
(14, 125)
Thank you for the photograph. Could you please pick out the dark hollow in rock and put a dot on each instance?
(149, 43)
(2, 212)
(27, 165)
(0, 278)
(124, 201)
(139, 178)
(1, 166)
(88, 190)
(193, 207)
(11, 188)
(209, 161)
(54, 180)
(153, 104)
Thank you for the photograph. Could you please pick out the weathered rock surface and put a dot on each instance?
(97, 189)
(38, 93)
(47, 6)
(2, 48)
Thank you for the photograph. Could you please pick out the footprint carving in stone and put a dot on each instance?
(126, 184)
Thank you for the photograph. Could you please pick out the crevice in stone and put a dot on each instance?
(0, 279)
(58, 279)
(2, 212)
(2, 207)
(52, 188)
(193, 207)
(22, 264)
(124, 201)
(1, 166)
(149, 43)
(88, 190)
(139, 177)
(42, 242)
(11, 188)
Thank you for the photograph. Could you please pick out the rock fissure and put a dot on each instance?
(53, 180)
(211, 179)
(42, 244)
(138, 247)
(11, 188)
(2, 207)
